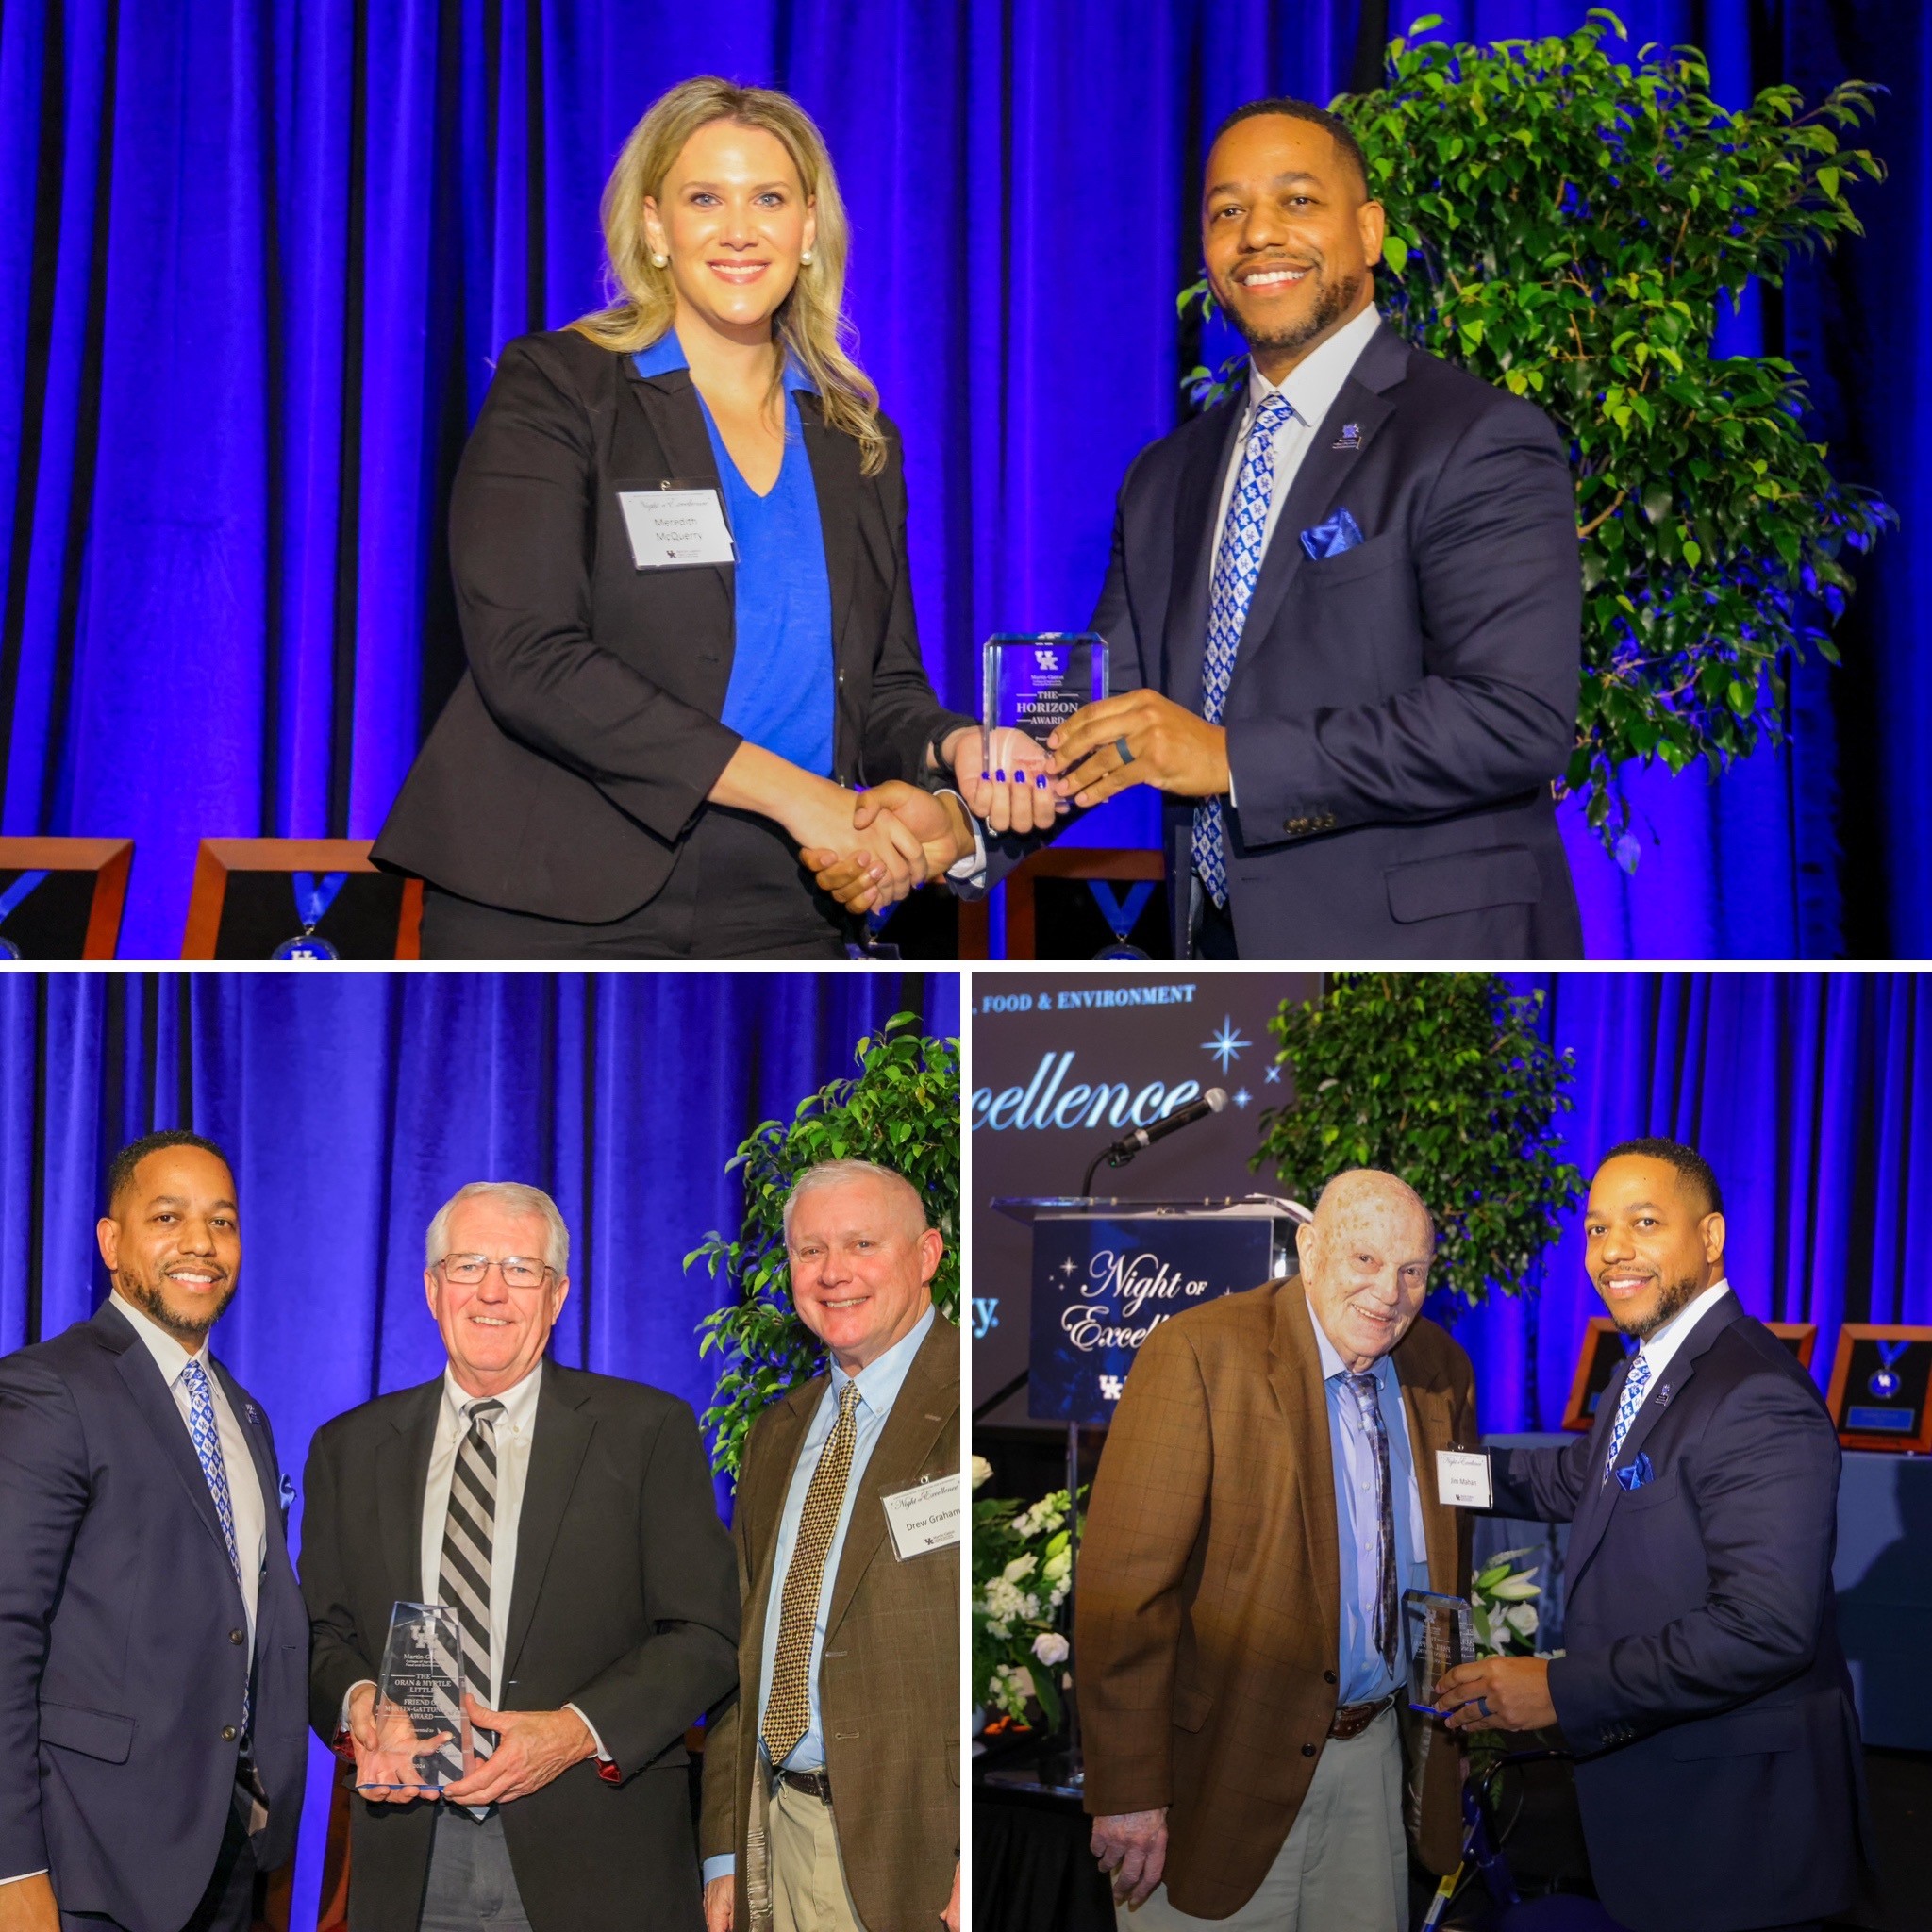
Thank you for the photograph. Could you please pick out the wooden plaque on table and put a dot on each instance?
(75, 912)
(1047, 901)
(1604, 1347)
(243, 903)
(1865, 1414)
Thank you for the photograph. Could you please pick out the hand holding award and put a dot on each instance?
(410, 1735)
(1031, 684)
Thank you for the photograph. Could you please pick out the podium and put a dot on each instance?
(246, 901)
(61, 898)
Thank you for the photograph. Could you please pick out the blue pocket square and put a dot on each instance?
(1341, 532)
(1638, 1473)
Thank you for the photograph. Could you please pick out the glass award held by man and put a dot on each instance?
(1033, 684)
(1441, 1634)
(423, 1734)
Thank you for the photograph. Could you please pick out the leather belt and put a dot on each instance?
(816, 1783)
(1352, 1720)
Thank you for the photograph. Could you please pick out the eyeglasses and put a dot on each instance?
(467, 1270)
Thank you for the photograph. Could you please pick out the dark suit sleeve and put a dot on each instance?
(43, 1495)
(903, 716)
(732, 1726)
(1764, 1482)
(642, 1704)
(1113, 616)
(520, 523)
(1540, 1485)
(337, 1658)
(1494, 714)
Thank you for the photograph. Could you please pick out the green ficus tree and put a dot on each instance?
(903, 1112)
(1445, 1079)
(1566, 224)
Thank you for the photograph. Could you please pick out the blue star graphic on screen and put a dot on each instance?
(1275, 1076)
(1240, 1096)
(1227, 1044)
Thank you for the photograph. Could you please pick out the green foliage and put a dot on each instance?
(1442, 1078)
(903, 1112)
(1564, 225)
(1021, 1565)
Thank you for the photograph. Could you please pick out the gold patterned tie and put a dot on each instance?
(786, 1709)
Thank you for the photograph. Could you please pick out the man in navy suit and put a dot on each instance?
(154, 1649)
(1343, 610)
(1702, 1685)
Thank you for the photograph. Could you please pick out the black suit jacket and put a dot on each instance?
(577, 753)
(123, 1659)
(1702, 1685)
(1397, 711)
(624, 1603)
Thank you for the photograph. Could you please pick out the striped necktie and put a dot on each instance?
(1367, 1402)
(469, 1532)
(1237, 568)
(206, 1435)
(788, 1707)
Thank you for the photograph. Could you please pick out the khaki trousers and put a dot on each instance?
(1346, 1865)
(808, 1881)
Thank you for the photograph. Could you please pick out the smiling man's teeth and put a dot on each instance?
(1273, 277)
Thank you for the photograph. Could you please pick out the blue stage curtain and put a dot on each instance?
(255, 264)
(354, 1104)
(1811, 1094)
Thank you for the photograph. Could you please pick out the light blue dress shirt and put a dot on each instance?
(879, 1383)
(1364, 1676)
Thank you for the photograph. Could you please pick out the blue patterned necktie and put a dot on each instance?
(1365, 1390)
(1627, 1404)
(207, 1446)
(1237, 567)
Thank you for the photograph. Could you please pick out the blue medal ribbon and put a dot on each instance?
(312, 900)
(1885, 1382)
(1122, 916)
(17, 891)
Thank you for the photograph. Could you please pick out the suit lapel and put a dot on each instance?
(1294, 1374)
(1198, 531)
(834, 459)
(402, 1477)
(563, 1434)
(676, 417)
(763, 1506)
(921, 1411)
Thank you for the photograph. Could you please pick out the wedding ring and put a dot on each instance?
(1482, 1707)
(1120, 745)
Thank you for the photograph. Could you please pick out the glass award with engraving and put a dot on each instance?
(422, 1735)
(1034, 683)
(1441, 1634)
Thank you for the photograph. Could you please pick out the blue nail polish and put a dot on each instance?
(1041, 781)
(1001, 776)
(985, 778)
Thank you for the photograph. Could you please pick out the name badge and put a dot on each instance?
(1462, 1478)
(671, 528)
(925, 1517)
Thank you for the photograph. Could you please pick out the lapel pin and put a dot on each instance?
(253, 1413)
(1351, 437)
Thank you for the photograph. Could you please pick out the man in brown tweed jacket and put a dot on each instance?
(1267, 1492)
(831, 1797)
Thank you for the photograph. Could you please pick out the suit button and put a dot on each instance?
(1308, 1750)
(234, 1636)
(1327, 1676)
(227, 1733)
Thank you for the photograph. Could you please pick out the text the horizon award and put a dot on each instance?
(1035, 683)
(423, 1733)
(1441, 1634)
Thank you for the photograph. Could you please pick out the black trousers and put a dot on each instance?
(736, 891)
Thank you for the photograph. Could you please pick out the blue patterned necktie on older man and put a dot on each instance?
(1237, 568)
(206, 1437)
(1367, 1401)
(1627, 1404)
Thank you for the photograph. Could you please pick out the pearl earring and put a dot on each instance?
(805, 258)
(660, 261)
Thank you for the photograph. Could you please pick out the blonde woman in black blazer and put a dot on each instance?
(612, 777)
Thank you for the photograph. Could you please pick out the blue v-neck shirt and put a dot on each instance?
(781, 693)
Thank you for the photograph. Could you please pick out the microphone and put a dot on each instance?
(1123, 1151)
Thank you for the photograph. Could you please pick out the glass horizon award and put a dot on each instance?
(423, 1731)
(1441, 1634)
(1034, 683)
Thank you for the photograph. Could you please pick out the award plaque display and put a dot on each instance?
(1881, 1387)
(1605, 1346)
(299, 899)
(1034, 683)
(419, 1697)
(1441, 1634)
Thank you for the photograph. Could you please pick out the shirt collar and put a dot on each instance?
(1659, 1348)
(667, 353)
(1332, 1364)
(880, 1380)
(170, 1357)
(1312, 385)
(518, 1400)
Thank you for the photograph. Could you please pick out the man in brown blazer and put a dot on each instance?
(1267, 1492)
(831, 1799)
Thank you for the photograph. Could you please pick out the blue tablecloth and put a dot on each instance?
(1883, 1574)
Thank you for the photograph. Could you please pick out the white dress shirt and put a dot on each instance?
(1659, 1349)
(246, 1500)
